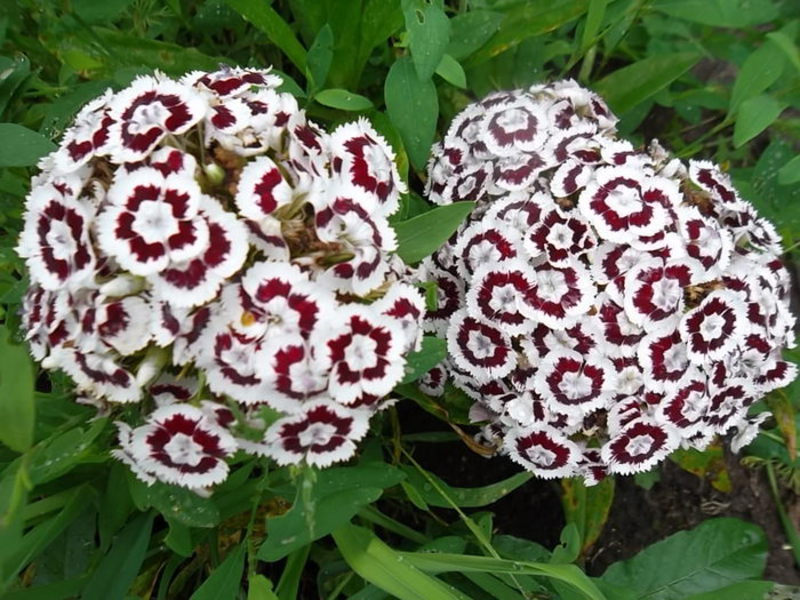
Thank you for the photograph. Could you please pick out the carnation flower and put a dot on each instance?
(201, 250)
(602, 305)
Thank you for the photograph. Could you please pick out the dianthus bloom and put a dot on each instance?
(202, 249)
(603, 305)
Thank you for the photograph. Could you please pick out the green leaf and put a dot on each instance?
(318, 61)
(377, 563)
(422, 235)
(116, 572)
(464, 563)
(790, 172)
(524, 20)
(260, 588)
(432, 352)
(451, 71)
(587, 507)
(333, 499)
(22, 147)
(17, 408)
(413, 107)
(717, 553)
(135, 51)
(787, 46)
(428, 35)
(265, 18)
(12, 74)
(60, 590)
(745, 590)
(594, 19)
(760, 70)
(462, 497)
(471, 30)
(175, 503)
(719, 13)
(754, 116)
(93, 11)
(629, 86)
(343, 100)
(37, 539)
(223, 583)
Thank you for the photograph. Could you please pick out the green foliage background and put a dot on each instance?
(717, 79)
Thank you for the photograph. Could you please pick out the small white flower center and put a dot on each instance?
(482, 254)
(640, 444)
(479, 345)
(513, 119)
(60, 240)
(154, 221)
(575, 385)
(624, 201)
(316, 434)
(667, 293)
(711, 327)
(146, 116)
(560, 236)
(540, 456)
(551, 285)
(503, 298)
(183, 450)
(675, 358)
(361, 353)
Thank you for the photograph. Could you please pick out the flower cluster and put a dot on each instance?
(199, 247)
(603, 305)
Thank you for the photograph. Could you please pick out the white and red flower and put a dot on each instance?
(179, 444)
(322, 434)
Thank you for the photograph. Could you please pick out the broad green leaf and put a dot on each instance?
(428, 35)
(790, 172)
(93, 11)
(12, 73)
(223, 583)
(587, 507)
(778, 203)
(462, 497)
(516, 548)
(785, 43)
(289, 583)
(115, 504)
(708, 465)
(116, 572)
(335, 497)
(719, 13)
(591, 26)
(17, 408)
(318, 61)
(377, 563)
(64, 452)
(265, 18)
(744, 590)
(175, 503)
(451, 71)
(179, 538)
(432, 352)
(343, 100)
(629, 86)
(260, 588)
(37, 539)
(422, 235)
(463, 563)
(60, 590)
(754, 116)
(715, 554)
(471, 30)
(22, 147)
(760, 70)
(135, 51)
(413, 107)
(528, 19)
